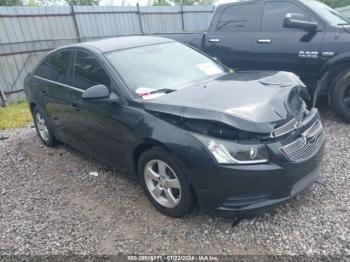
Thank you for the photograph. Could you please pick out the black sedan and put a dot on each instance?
(193, 131)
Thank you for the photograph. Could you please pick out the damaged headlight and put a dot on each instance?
(228, 152)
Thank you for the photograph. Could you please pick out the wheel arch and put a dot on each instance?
(330, 72)
(143, 147)
(32, 105)
(151, 143)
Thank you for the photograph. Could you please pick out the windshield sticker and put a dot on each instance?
(209, 69)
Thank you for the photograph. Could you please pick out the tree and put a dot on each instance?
(41, 2)
(82, 2)
(10, 2)
(336, 3)
(58, 2)
(160, 3)
(192, 2)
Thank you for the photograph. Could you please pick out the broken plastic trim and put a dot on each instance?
(211, 128)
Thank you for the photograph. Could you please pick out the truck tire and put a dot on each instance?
(340, 96)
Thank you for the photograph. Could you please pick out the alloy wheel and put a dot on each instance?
(162, 183)
(42, 127)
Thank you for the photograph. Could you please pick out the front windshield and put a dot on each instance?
(330, 15)
(154, 70)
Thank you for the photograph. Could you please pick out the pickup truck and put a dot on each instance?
(305, 37)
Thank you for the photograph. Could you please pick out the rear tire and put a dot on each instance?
(164, 182)
(340, 96)
(42, 128)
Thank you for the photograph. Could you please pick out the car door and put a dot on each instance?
(232, 34)
(52, 80)
(288, 49)
(99, 126)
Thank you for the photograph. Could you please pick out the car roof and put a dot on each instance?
(122, 42)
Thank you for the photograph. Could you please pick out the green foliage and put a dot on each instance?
(10, 2)
(32, 3)
(14, 115)
(58, 2)
(192, 2)
(160, 3)
(336, 3)
(82, 2)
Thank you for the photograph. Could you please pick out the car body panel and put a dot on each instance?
(114, 130)
(228, 99)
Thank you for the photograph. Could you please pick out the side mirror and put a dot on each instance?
(298, 21)
(96, 92)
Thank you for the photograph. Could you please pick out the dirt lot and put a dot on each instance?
(51, 205)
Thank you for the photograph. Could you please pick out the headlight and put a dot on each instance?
(227, 152)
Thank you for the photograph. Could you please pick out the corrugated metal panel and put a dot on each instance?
(27, 33)
(161, 19)
(98, 21)
(196, 18)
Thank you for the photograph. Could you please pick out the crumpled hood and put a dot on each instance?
(251, 101)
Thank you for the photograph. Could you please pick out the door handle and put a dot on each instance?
(264, 41)
(75, 107)
(214, 40)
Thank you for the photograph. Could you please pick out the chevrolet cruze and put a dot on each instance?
(193, 131)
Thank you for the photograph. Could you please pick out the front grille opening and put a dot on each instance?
(307, 145)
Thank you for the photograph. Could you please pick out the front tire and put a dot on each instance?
(42, 128)
(340, 96)
(164, 183)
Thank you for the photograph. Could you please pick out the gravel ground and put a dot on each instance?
(51, 205)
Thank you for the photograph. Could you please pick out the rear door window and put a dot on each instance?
(240, 17)
(55, 67)
(88, 72)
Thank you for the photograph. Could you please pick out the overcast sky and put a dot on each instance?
(142, 2)
(130, 2)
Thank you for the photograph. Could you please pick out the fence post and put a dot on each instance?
(182, 17)
(75, 22)
(3, 98)
(140, 19)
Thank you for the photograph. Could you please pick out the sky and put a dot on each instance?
(132, 2)
(141, 2)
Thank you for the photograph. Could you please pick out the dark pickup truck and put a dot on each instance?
(305, 37)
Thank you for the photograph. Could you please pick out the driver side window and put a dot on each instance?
(238, 18)
(275, 12)
(88, 72)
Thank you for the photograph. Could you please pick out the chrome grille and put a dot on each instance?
(307, 145)
(286, 128)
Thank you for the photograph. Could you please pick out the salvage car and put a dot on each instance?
(192, 131)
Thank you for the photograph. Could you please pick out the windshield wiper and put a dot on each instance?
(163, 90)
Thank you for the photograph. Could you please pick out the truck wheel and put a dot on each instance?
(340, 96)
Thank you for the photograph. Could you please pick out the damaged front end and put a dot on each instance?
(234, 125)
(230, 145)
